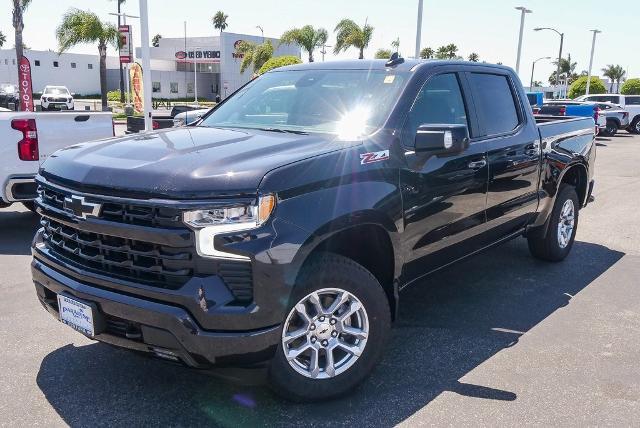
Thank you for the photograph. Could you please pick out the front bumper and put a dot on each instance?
(160, 329)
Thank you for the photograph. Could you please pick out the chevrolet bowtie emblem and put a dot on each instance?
(77, 206)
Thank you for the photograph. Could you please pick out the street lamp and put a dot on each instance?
(523, 11)
(533, 66)
(195, 74)
(324, 50)
(559, 54)
(259, 27)
(593, 46)
(419, 29)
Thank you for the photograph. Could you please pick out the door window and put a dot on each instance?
(634, 101)
(494, 99)
(439, 101)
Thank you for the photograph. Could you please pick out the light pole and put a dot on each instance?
(523, 12)
(195, 74)
(259, 27)
(559, 53)
(146, 64)
(533, 66)
(419, 29)
(593, 47)
(324, 50)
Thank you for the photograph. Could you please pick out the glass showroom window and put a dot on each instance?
(173, 87)
(155, 87)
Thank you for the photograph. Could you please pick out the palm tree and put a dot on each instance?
(155, 42)
(19, 7)
(474, 57)
(396, 44)
(79, 26)
(3, 39)
(307, 37)
(219, 21)
(615, 73)
(609, 71)
(567, 70)
(120, 3)
(254, 53)
(449, 51)
(349, 34)
(383, 54)
(427, 53)
(620, 74)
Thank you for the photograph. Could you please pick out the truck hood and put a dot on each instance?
(183, 163)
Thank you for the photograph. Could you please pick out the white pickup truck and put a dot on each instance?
(28, 138)
(630, 103)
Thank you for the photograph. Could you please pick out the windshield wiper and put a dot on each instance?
(289, 131)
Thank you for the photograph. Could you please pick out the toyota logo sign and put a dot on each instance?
(181, 55)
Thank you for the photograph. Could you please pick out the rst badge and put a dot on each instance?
(372, 157)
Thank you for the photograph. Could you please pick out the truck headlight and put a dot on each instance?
(211, 222)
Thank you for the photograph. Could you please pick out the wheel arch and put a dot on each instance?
(372, 244)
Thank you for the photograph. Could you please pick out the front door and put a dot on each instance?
(444, 197)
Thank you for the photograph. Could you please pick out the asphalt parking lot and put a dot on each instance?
(500, 339)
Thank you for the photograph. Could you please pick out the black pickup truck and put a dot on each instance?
(278, 231)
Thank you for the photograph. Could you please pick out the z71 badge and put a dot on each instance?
(372, 157)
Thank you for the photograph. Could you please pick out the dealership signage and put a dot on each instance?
(185, 56)
(136, 86)
(24, 81)
(236, 46)
(126, 53)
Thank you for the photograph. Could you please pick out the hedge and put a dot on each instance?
(579, 87)
(279, 61)
(631, 87)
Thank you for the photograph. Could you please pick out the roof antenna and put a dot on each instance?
(394, 60)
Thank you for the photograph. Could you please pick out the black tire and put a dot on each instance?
(30, 205)
(548, 247)
(634, 128)
(328, 270)
(611, 129)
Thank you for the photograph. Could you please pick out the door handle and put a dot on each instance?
(477, 164)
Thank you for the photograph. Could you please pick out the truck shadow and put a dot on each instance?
(16, 231)
(450, 323)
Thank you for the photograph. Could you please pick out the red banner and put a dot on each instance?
(24, 84)
(126, 53)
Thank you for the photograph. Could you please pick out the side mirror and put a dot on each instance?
(441, 138)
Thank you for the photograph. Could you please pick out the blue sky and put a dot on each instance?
(489, 27)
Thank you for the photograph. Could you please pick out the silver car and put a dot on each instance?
(617, 118)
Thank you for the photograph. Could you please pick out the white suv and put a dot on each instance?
(630, 103)
(56, 98)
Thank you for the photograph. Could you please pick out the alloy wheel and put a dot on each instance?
(566, 223)
(325, 333)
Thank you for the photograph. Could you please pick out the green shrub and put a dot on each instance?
(579, 87)
(631, 87)
(279, 61)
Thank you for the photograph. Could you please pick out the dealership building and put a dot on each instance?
(176, 65)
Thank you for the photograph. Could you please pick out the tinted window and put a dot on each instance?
(493, 97)
(439, 101)
(634, 101)
(604, 98)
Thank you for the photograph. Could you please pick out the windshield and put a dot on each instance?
(56, 91)
(349, 103)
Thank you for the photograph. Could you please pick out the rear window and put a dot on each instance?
(634, 101)
(493, 96)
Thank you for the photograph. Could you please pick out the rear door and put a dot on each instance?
(513, 150)
(444, 197)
